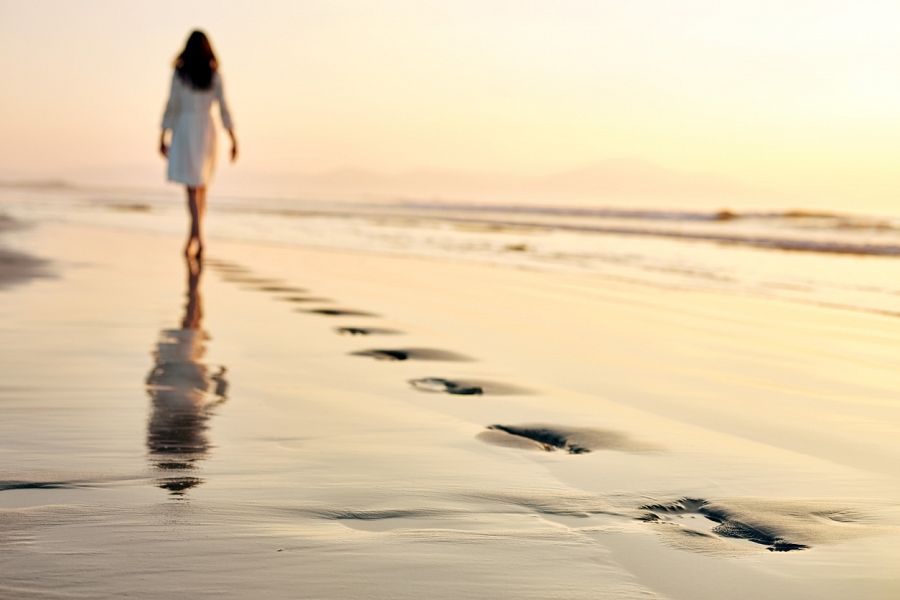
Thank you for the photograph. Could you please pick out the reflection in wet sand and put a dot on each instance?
(184, 392)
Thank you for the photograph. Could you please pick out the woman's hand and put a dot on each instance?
(163, 149)
(234, 145)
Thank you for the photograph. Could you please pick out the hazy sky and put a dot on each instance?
(792, 97)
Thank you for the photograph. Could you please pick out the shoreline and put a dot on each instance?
(674, 260)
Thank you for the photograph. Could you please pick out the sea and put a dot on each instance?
(846, 260)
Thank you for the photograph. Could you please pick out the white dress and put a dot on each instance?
(192, 153)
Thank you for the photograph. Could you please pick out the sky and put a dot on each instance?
(774, 102)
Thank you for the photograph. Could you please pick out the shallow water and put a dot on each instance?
(825, 258)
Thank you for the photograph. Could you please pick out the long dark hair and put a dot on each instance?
(197, 62)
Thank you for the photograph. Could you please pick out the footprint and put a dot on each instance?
(235, 273)
(339, 312)
(254, 282)
(224, 265)
(469, 386)
(384, 354)
(304, 299)
(574, 440)
(547, 438)
(365, 331)
(412, 354)
(726, 523)
(287, 289)
(437, 384)
(226, 272)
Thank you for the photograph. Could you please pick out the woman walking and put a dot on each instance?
(191, 149)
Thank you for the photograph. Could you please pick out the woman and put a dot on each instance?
(196, 84)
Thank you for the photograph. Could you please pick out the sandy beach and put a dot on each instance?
(429, 300)
(294, 422)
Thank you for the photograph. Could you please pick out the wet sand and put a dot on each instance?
(18, 267)
(288, 423)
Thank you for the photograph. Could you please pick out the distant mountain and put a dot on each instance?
(613, 179)
(640, 179)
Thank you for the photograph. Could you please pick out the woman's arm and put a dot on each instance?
(163, 147)
(225, 113)
(234, 144)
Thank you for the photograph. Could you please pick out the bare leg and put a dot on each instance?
(196, 197)
(192, 211)
(201, 212)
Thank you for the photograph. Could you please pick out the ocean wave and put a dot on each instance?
(765, 242)
(789, 230)
(768, 241)
(790, 217)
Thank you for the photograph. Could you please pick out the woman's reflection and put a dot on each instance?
(184, 392)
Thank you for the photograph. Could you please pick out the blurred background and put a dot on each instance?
(706, 103)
